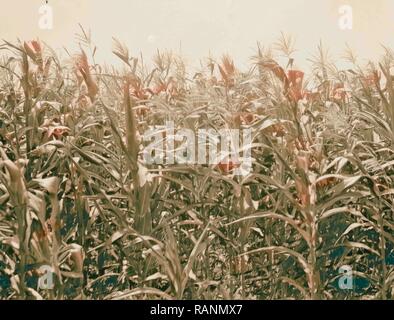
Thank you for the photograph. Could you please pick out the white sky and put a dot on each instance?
(203, 26)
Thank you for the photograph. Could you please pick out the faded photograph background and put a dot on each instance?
(199, 28)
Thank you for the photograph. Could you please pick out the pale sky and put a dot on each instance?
(200, 27)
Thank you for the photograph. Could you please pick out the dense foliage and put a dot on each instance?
(75, 194)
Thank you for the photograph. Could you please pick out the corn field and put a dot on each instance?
(76, 197)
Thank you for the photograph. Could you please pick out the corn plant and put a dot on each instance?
(77, 197)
